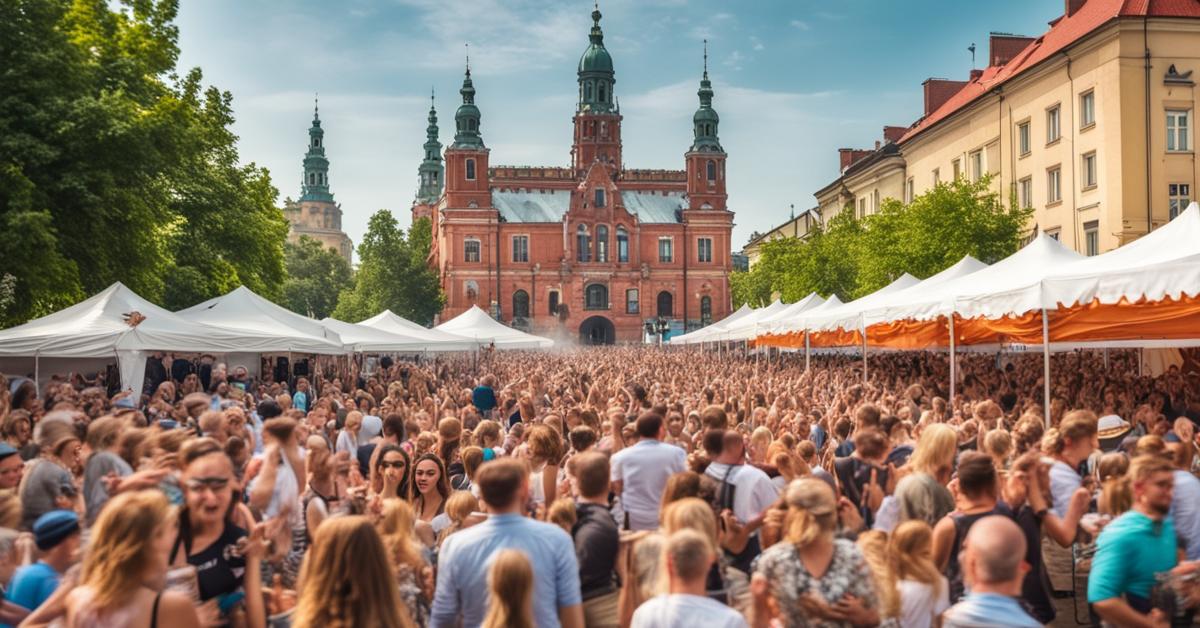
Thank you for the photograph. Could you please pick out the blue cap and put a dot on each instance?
(168, 424)
(124, 402)
(54, 527)
(7, 450)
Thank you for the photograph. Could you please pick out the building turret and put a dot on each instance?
(705, 121)
(597, 117)
(431, 170)
(705, 159)
(466, 119)
(316, 167)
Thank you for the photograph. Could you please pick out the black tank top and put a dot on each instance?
(218, 569)
(962, 525)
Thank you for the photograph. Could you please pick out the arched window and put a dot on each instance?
(665, 304)
(583, 244)
(312, 178)
(587, 91)
(601, 243)
(598, 197)
(471, 289)
(520, 305)
(705, 310)
(622, 244)
(712, 170)
(470, 169)
(595, 297)
(603, 97)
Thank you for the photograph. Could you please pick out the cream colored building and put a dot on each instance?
(868, 178)
(1061, 122)
(797, 227)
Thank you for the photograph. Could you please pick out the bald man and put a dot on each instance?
(993, 567)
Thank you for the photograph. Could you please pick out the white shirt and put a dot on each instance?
(682, 610)
(372, 426)
(919, 604)
(1063, 482)
(643, 470)
(753, 490)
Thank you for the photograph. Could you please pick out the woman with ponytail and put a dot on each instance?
(816, 579)
(1070, 444)
(511, 601)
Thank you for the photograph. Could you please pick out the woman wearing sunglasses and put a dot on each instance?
(392, 466)
(210, 547)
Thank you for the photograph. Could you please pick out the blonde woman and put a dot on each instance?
(544, 448)
(874, 546)
(923, 591)
(125, 568)
(510, 580)
(396, 527)
(816, 580)
(347, 580)
(922, 494)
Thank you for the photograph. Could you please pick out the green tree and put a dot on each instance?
(114, 168)
(316, 276)
(852, 257)
(393, 273)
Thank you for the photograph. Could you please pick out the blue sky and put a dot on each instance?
(794, 80)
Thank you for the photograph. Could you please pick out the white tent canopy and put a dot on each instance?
(704, 334)
(809, 302)
(279, 328)
(748, 327)
(476, 324)
(443, 341)
(859, 316)
(1027, 267)
(371, 340)
(830, 310)
(1164, 263)
(99, 327)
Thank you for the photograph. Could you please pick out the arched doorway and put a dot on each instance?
(597, 330)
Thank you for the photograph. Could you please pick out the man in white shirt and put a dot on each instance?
(640, 472)
(753, 491)
(689, 557)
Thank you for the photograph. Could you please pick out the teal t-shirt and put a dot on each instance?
(33, 585)
(1129, 552)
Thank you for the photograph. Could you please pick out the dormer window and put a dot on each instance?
(470, 170)
(599, 198)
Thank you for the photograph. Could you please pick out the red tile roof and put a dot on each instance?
(1063, 32)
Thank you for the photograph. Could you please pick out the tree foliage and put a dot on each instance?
(316, 275)
(393, 273)
(852, 257)
(113, 167)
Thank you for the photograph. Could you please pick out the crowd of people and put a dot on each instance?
(599, 487)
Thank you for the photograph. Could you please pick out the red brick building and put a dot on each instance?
(593, 250)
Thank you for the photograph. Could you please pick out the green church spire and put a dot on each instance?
(596, 76)
(706, 119)
(315, 184)
(466, 119)
(431, 170)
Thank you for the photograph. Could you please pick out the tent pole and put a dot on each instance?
(37, 374)
(807, 350)
(863, 327)
(1046, 365)
(1106, 358)
(953, 365)
(1140, 351)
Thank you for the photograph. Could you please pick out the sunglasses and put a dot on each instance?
(212, 484)
(396, 464)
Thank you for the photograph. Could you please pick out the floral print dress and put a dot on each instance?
(848, 574)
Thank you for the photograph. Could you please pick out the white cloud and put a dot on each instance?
(756, 43)
(800, 24)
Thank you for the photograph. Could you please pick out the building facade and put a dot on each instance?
(593, 250)
(796, 227)
(315, 214)
(1091, 124)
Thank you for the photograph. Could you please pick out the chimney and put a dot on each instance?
(848, 156)
(892, 134)
(976, 74)
(1073, 7)
(1003, 47)
(938, 91)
